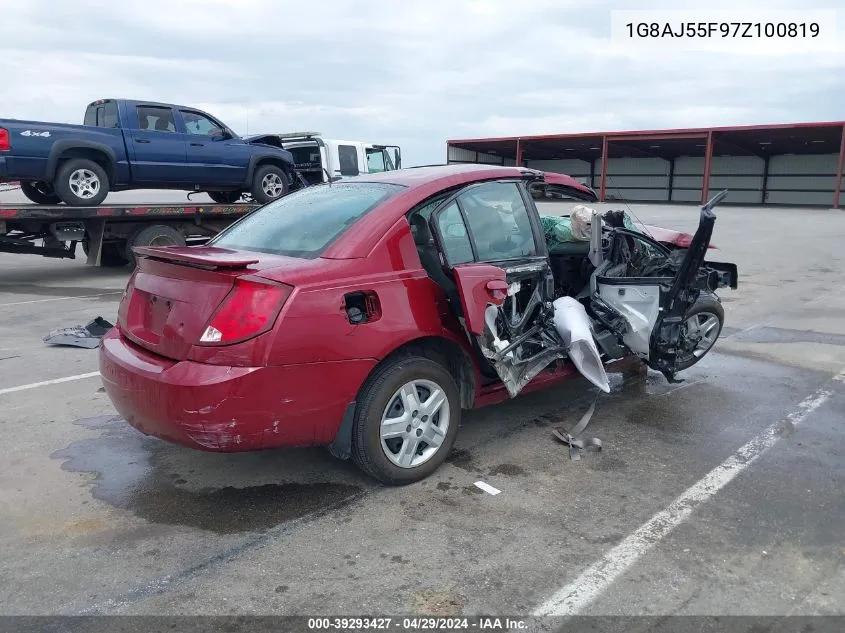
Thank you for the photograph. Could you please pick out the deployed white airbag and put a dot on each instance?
(573, 325)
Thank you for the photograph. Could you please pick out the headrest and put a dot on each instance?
(420, 230)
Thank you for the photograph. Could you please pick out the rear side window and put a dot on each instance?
(156, 119)
(498, 221)
(102, 115)
(347, 156)
(304, 223)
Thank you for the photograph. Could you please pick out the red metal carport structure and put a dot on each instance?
(760, 141)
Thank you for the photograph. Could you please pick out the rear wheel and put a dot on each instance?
(702, 326)
(224, 197)
(40, 193)
(81, 183)
(406, 420)
(269, 183)
(155, 235)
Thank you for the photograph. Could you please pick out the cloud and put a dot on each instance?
(414, 73)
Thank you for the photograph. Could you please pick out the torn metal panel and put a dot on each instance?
(575, 329)
(87, 336)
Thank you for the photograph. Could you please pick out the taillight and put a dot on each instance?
(250, 309)
(5, 140)
(123, 306)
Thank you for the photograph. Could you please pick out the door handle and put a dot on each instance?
(142, 140)
(198, 144)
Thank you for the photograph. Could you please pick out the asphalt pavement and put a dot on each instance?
(720, 495)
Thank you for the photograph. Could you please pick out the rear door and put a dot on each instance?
(158, 147)
(491, 245)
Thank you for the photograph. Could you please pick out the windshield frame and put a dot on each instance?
(392, 190)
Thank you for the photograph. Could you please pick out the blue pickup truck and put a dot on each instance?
(127, 144)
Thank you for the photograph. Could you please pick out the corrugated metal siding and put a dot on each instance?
(640, 195)
(460, 154)
(802, 183)
(800, 198)
(736, 196)
(796, 180)
(742, 165)
(688, 179)
(623, 166)
(640, 179)
(686, 195)
(815, 164)
(689, 166)
(571, 167)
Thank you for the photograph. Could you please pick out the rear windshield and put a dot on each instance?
(304, 223)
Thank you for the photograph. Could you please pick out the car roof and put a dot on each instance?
(428, 174)
(420, 184)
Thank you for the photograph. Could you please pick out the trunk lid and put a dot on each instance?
(175, 291)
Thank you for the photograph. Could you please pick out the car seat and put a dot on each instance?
(430, 260)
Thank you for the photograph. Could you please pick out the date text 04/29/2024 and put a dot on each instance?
(416, 623)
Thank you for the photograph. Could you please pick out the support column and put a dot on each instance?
(837, 188)
(765, 179)
(671, 178)
(518, 153)
(603, 178)
(708, 159)
(592, 173)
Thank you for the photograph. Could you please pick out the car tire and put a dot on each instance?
(224, 197)
(708, 313)
(269, 183)
(81, 183)
(377, 403)
(39, 193)
(153, 235)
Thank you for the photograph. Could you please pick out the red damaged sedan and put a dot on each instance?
(367, 313)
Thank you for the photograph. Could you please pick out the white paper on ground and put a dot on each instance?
(573, 325)
(487, 488)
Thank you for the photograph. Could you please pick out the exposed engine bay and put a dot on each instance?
(598, 299)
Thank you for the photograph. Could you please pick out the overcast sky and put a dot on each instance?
(405, 71)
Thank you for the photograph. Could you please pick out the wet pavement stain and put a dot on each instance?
(462, 458)
(785, 335)
(126, 477)
(511, 470)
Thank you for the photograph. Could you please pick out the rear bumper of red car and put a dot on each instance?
(228, 409)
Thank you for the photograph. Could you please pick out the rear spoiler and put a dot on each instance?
(209, 257)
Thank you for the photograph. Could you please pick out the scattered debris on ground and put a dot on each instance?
(87, 336)
(570, 437)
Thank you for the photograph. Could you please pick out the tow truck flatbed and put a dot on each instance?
(109, 232)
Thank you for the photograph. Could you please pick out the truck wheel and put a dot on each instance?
(112, 254)
(155, 235)
(406, 420)
(81, 183)
(224, 197)
(268, 183)
(40, 193)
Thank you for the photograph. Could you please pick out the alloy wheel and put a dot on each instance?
(414, 423)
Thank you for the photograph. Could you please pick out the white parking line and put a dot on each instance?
(593, 581)
(487, 488)
(23, 303)
(44, 383)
